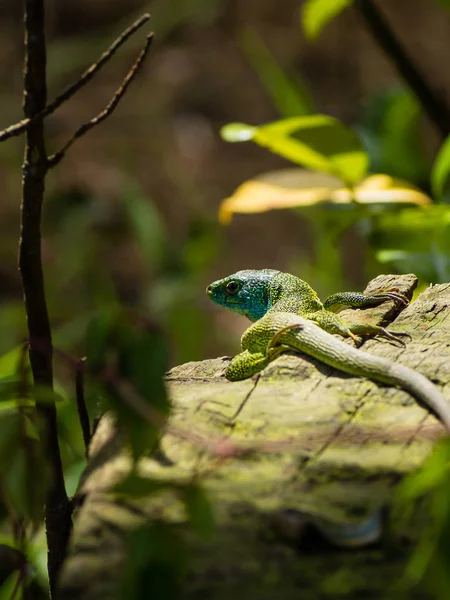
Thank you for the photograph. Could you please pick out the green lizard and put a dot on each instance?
(288, 314)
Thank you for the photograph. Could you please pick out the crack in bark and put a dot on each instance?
(232, 420)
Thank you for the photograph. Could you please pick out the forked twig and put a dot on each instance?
(110, 107)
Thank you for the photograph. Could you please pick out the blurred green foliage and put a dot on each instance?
(428, 492)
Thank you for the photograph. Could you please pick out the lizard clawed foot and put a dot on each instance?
(393, 335)
(357, 339)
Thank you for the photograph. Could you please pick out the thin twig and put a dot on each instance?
(81, 404)
(110, 107)
(21, 126)
(432, 104)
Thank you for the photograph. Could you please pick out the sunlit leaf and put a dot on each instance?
(318, 13)
(238, 132)
(441, 169)
(292, 188)
(290, 96)
(316, 142)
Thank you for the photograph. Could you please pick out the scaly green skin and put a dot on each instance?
(288, 314)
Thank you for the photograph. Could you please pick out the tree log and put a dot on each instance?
(318, 442)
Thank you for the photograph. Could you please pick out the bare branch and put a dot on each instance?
(109, 109)
(21, 126)
(434, 107)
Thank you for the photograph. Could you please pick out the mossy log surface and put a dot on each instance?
(317, 442)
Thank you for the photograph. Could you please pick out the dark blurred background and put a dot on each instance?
(131, 212)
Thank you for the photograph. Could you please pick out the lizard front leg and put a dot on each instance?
(258, 350)
(246, 364)
(334, 324)
(336, 302)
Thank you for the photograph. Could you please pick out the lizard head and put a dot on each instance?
(245, 292)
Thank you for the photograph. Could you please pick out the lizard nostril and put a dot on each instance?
(209, 289)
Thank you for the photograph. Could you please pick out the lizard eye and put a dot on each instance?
(232, 287)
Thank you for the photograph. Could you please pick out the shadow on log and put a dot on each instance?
(324, 444)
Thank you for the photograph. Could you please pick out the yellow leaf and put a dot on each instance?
(291, 188)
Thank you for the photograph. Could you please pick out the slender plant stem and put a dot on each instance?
(83, 414)
(57, 509)
(433, 105)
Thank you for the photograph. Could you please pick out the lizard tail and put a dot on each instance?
(422, 389)
(312, 340)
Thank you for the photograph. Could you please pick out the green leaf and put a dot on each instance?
(141, 364)
(24, 473)
(143, 434)
(10, 362)
(136, 354)
(11, 560)
(10, 433)
(318, 13)
(143, 359)
(99, 336)
(317, 142)
(46, 395)
(441, 169)
(198, 509)
(154, 566)
(391, 131)
(416, 240)
(290, 96)
(147, 224)
(432, 483)
(8, 586)
(433, 474)
(24, 476)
